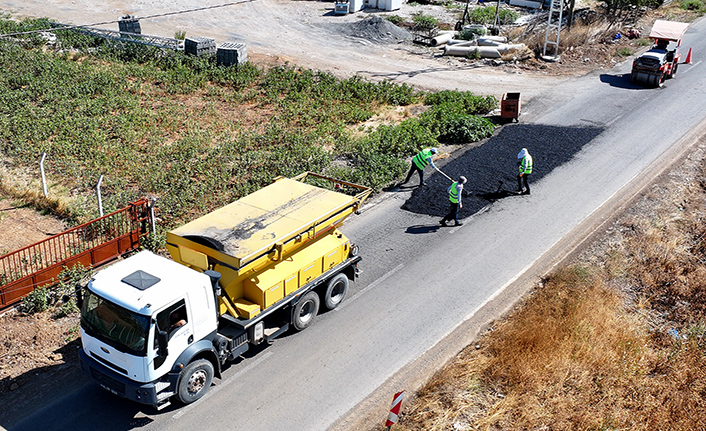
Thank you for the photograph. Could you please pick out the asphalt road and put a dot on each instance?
(421, 282)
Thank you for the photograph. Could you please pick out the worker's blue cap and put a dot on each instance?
(434, 151)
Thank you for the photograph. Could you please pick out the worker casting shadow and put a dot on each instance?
(495, 160)
(620, 81)
(421, 229)
(498, 194)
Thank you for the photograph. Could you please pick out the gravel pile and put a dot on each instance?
(376, 29)
(491, 168)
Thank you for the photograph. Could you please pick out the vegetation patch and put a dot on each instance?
(194, 134)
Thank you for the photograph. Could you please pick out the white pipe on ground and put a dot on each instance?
(459, 42)
(491, 40)
(467, 51)
(441, 39)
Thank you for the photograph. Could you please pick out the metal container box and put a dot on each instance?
(510, 106)
(200, 46)
(231, 54)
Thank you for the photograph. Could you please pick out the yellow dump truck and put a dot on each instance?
(154, 329)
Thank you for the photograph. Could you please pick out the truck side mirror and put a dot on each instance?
(162, 341)
(79, 297)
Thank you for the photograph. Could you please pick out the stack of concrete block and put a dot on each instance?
(129, 24)
(200, 46)
(232, 54)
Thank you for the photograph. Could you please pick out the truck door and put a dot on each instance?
(175, 320)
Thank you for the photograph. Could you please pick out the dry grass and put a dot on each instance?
(614, 341)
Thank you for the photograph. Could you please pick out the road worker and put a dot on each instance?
(524, 162)
(455, 195)
(423, 159)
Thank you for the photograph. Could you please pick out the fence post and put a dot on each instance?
(151, 205)
(98, 193)
(41, 169)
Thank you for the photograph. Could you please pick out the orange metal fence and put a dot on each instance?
(89, 244)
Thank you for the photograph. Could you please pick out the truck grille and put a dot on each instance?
(108, 383)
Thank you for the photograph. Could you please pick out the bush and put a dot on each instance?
(624, 52)
(395, 19)
(470, 103)
(695, 5)
(42, 298)
(467, 128)
(36, 301)
(486, 15)
(424, 24)
(472, 33)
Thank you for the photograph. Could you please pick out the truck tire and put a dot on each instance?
(194, 381)
(304, 312)
(336, 290)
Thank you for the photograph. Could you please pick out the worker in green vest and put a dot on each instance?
(524, 161)
(423, 159)
(455, 197)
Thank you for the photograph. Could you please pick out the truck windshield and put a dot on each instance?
(114, 325)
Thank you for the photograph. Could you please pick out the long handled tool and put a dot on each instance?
(450, 179)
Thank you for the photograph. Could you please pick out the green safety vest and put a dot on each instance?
(453, 192)
(422, 158)
(526, 165)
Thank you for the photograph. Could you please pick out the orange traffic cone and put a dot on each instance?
(688, 57)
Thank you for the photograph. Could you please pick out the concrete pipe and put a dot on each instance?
(468, 51)
(458, 42)
(491, 40)
(507, 47)
(441, 39)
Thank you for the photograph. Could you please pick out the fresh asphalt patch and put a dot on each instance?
(491, 168)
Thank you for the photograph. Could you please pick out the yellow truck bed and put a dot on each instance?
(271, 222)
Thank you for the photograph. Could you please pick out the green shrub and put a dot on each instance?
(486, 15)
(695, 5)
(470, 103)
(472, 33)
(36, 301)
(624, 51)
(395, 19)
(467, 128)
(42, 298)
(423, 23)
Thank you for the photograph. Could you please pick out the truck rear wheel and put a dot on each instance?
(336, 290)
(194, 381)
(304, 312)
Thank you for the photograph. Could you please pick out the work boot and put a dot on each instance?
(526, 192)
(443, 223)
(458, 223)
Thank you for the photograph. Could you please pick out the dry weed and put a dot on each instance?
(616, 342)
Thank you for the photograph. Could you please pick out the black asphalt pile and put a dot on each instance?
(376, 29)
(491, 168)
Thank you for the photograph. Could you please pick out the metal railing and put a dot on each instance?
(89, 244)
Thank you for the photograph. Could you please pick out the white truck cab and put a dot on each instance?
(124, 310)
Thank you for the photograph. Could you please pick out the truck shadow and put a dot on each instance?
(61, 397)
(494, 162)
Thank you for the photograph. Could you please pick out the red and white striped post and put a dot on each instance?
(394, 409)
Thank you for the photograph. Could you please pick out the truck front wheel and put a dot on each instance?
(304, 312)
(195, 380)
(336, 290)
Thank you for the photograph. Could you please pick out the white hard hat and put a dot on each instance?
(522, 153)
(462, 180)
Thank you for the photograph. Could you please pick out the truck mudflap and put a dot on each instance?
(151, 393)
